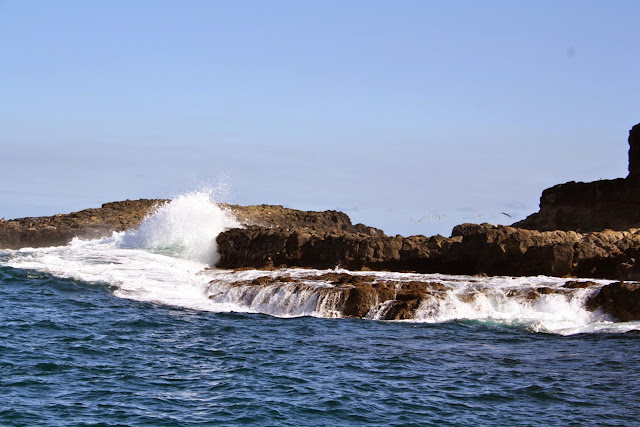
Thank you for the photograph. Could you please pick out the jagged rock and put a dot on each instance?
(592, 206)
(286, 219)
(582, 229)
(576, 284)
(60, 229)
(287, 237)
(352, 295)
(634, 151)
(621, 300)
(472, 249)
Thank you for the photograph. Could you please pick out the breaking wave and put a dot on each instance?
(186, 227)
(166, 261)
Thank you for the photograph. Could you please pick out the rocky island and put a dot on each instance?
(582, 230)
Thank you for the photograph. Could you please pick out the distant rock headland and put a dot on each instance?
(60, 229)
(582, 229)
(592, 206)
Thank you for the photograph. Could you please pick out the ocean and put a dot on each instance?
(134, 329)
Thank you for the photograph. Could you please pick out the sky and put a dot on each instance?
(410, 116)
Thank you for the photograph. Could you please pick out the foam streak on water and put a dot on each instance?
(164, 261)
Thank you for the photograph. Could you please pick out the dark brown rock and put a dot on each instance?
(472, 249)
(303, 222)
(60, 229)
(364, 296)
(592, 206)
(576, 284)
(634, 151)
(355, 295)
(328, 239)
(621, 300)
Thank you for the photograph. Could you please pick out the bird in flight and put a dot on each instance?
(432, 216)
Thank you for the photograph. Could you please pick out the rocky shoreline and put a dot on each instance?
(275, 236)
(582, 230)
(367, 296)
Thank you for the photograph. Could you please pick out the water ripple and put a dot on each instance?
(73, 354)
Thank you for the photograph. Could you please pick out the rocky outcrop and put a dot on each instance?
(348, 295)
(287, 219)
(59, 229)
(592, 206)
(582, 229)
(620, 300)
(472, 249)
(286, 237)
(376, 297)
(634, 152)
(502, 250)
(276, 236)
(261, 247)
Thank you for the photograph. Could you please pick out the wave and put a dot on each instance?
(186, 227)
(166, 261)
(496, 300)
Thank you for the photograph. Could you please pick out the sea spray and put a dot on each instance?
(185, 227)
(158, 262)
(163, 261)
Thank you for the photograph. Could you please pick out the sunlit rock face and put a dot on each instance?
(59, 229)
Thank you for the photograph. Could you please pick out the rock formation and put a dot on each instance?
(472, 249)
(375, 297)
(582, 229)
(620, 300)
(592, 206)
(634, 152)
(59, 229)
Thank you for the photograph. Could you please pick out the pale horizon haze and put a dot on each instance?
(410, 116)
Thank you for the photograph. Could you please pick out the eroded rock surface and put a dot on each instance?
(276, 236)
(472, 249)
(373, 296)
(582, 229)
(349, 295)
(621, 300)
(60, 229)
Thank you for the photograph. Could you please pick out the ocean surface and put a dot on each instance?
(132, 330)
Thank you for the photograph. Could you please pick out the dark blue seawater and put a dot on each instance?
(71, 353)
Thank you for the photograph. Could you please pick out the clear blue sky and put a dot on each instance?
(388, 110)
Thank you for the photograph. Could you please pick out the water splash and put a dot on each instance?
(185, 227)
(164, 261)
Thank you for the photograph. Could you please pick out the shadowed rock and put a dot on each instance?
(620, 300)
(472, 249)
(592, 206)
(350, 295)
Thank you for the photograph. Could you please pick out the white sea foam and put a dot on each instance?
(160, 261)
(164, 261)
(185, 227)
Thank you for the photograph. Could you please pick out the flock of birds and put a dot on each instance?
(436, 216)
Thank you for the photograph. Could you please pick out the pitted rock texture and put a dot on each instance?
(60, 229)
(472, 249)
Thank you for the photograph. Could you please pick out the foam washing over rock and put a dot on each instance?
(164, 261)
